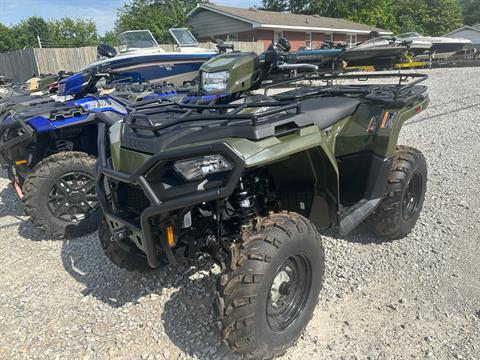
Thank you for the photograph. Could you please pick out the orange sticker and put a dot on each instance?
(384, 120)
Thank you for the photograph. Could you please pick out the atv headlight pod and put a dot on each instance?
(216, 81)
(198, 168)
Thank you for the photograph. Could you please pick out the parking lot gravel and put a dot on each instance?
(418, 297)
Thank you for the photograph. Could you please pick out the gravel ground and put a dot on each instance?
(418, 297)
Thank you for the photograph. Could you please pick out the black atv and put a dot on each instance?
(252, 179)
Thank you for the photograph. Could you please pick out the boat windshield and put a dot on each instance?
(409, 35)
(378, 39)
(135, 40)
(183, 37)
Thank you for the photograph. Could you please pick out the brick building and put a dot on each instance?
(210, 21)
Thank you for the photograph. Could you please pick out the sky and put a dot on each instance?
(103, 12)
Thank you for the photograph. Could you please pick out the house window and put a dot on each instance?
(277, 36)
(232, 37)
(351, 40)
(328, 37)
(308, 40)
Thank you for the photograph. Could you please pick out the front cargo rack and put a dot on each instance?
(141, 119)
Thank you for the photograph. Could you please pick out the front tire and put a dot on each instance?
(270, 286)
(59, 195)
(402, 203)
(128, 260)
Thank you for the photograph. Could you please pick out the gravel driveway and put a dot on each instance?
(414, 298)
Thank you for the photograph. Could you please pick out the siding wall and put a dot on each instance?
(207, 24)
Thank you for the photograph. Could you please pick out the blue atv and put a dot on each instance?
(49, 147)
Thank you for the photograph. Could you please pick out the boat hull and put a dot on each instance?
(175, 68)
(378, 56)
(320, 57)
(443, 50)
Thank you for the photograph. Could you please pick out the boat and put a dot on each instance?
(383, 51)
(141, 59)
(442, 47)
(378, 52)
(323, 57)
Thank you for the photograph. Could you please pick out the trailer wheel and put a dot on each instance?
(270, 285)
(402, 203)
(59, 195)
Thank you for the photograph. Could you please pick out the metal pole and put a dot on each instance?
(39, 42)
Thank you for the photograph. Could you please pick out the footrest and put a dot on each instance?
(354, 215)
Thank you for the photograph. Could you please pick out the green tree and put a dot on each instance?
(471, 11)
(7, 41)
(68, 32)
(155, 15)
(65, 32)
(378, 13)
(26, 32)
(431, 17)
(110, 38)
(294, 6)
(276, 5)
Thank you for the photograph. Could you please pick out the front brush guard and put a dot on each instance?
(16, 122)
(159, 207)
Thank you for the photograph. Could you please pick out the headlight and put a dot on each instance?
(197, 168)
(216, 81)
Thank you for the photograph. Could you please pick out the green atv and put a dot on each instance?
(252, 178)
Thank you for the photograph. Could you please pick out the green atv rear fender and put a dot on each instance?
(376, 130)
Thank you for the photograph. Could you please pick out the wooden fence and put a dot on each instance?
(18, 65)
(23, 64)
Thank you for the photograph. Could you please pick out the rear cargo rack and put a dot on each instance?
(396, 89)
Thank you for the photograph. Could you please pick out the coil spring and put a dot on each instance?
(63, 145)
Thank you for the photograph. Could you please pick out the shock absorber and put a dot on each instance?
(245, 202)
(63, 145)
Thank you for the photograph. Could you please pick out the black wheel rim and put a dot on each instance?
(412, 196)
(72, 197)
(288, 292)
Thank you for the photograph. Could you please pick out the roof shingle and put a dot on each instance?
(290, 20)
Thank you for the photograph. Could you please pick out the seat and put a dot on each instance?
(326, 111)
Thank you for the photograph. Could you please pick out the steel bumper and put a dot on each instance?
(143, 236)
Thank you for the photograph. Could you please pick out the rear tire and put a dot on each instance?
(402, 204)
(270, 285)
(59, 195)
(128, 260)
